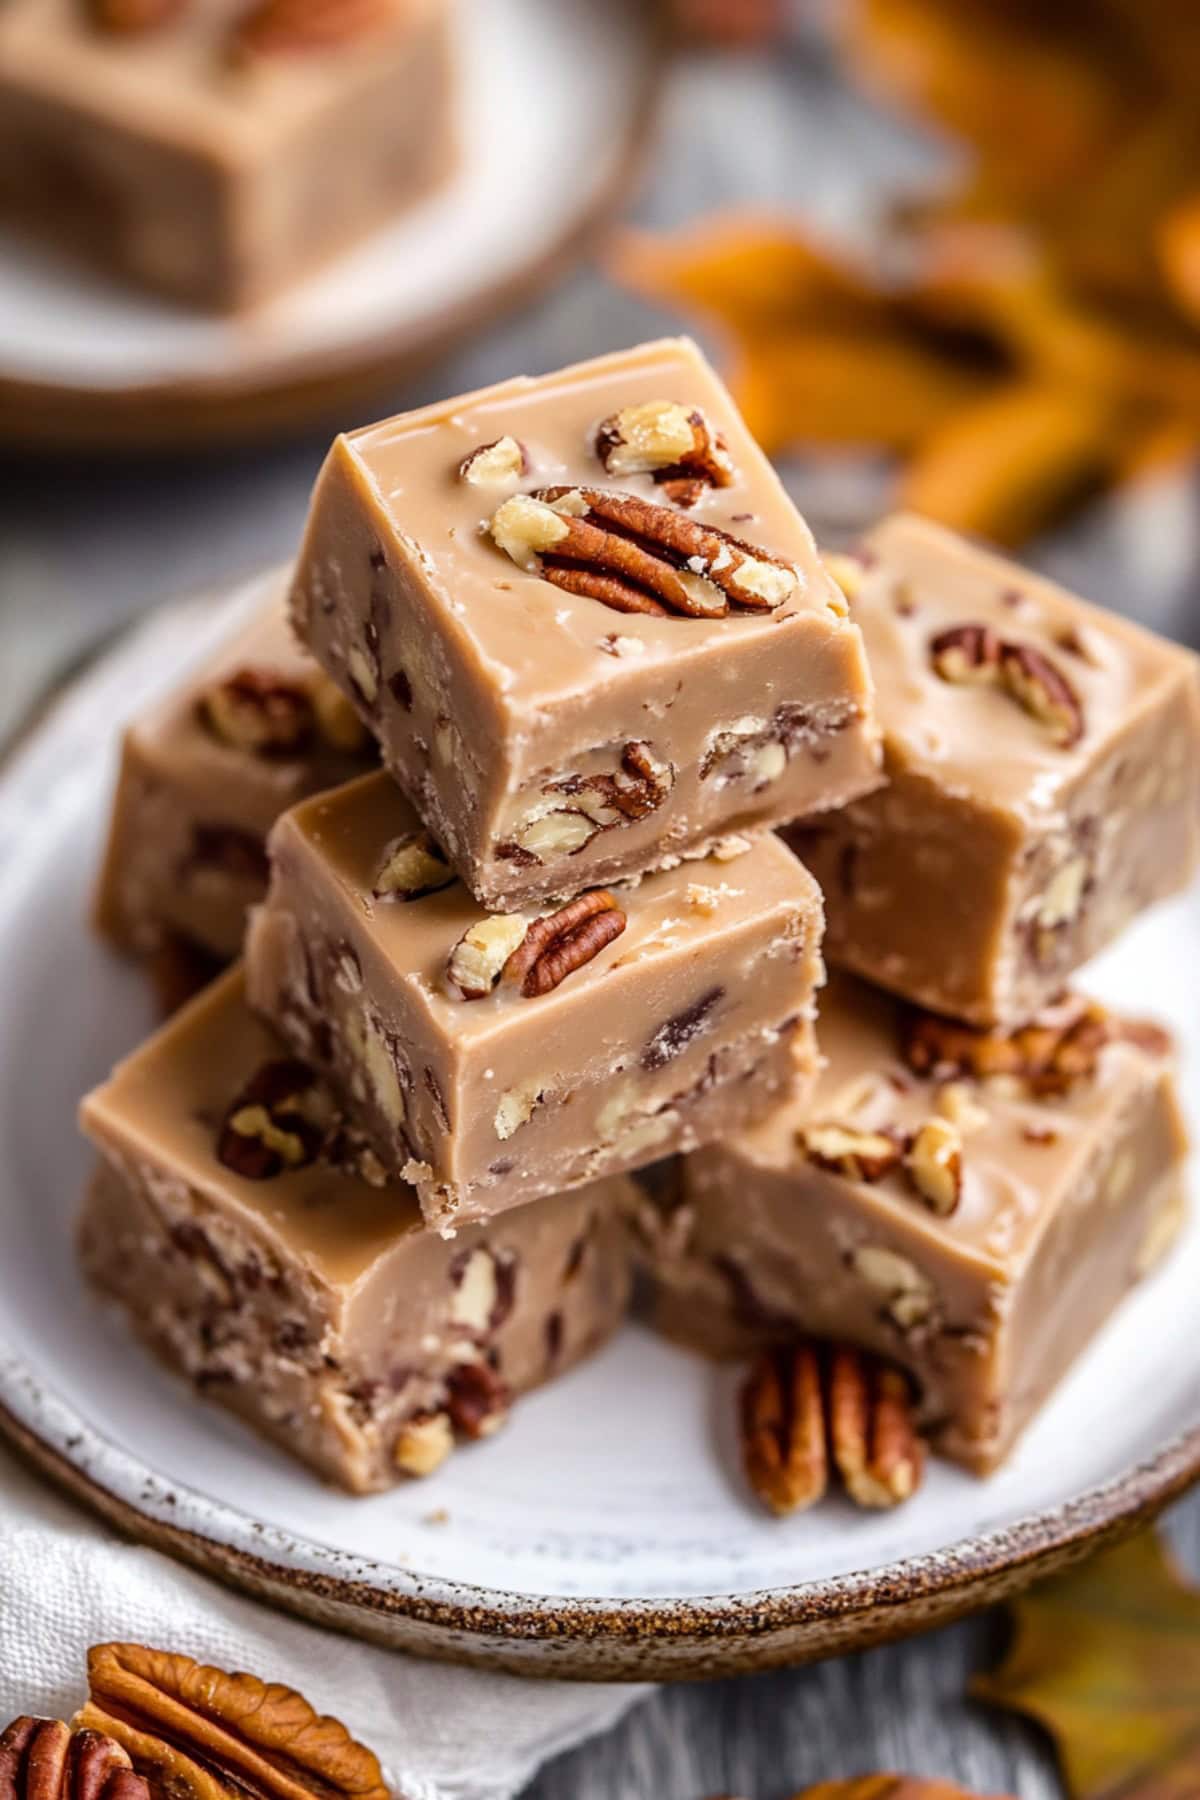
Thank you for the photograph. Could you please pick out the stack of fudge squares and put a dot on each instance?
(530, 1001)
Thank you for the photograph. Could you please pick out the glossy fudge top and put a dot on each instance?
(992, 681)
(173, 1101)
(182, 81)
(537, 642)
(670, 916)
(1025, 1139)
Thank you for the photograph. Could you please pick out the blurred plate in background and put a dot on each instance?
(556, 97)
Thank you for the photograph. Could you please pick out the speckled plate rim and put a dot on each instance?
(308, 389)
(580, 1637)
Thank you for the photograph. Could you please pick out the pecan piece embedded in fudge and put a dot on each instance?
(974, 1228)
(493, 1057)
(586, 623)
(1043, 763)
(249, 1232)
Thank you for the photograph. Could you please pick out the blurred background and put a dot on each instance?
(947, 251)
(948, 254)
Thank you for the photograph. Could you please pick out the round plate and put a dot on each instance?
(606, 1532)
(555, 99)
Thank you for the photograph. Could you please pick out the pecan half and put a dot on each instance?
(198, 1733)
(851, 1150)
(563, 941)
(975, 655)
(258, 711)
(493, 465)
(42, 1759)
(637, 556)
(812, 1408)
(304, 27)
(280, 1120)
(411, 867)
(674, 443)
(1060, 1046)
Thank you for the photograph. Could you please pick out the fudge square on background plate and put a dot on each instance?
(205, 773)
(494, 1058)
(1043, 763)
(216, 151)
(231, 1219)
(969, 1205)
(585, 622)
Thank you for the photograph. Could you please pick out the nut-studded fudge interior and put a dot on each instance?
(232, 1218)
(204, 775)
(586, 623)
(969, 1205)
(493, 1058)
(216, 150)
(1044, 779)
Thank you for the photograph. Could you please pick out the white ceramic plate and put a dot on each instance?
(554, 98)
(605, 1532)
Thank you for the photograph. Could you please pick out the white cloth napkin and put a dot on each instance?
(441, 1733)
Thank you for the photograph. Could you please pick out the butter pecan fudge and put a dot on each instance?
(1043, 763)
(585, 622)
(217, 150)
(492, 1058)
(971, 1205)
(204, 774)
(245, 1229)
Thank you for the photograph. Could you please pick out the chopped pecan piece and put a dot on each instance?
(850, 1150)
(976, 655)
(674, 443)
(1059, 1047)
(637, 556)
(423, 1443)
(304, 27)
(257, 711)
(198, 1733)
(933, 1163)
(280, 1120)
(411, 867)
(481, 953)
(494, 464)
(812, 1407)
(563, 941)
(478, 1400)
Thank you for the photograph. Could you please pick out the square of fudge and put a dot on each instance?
(216, 152)
(204, 774)
(970, 1205)
(1043, 762)
(585, 622)
(245, 1230)
(493, 1058)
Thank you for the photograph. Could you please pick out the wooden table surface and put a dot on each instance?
(87, 544)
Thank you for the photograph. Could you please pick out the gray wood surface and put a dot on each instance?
(89, 543)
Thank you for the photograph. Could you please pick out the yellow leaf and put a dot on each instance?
(1107, 1658)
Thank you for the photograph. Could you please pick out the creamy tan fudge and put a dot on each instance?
(492, 1058)
(1043, 763)
(233, 1219)
(217, 150)
(204, 775)
(969, 1205)
(585, 622)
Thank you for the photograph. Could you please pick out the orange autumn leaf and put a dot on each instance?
(1107, 1659)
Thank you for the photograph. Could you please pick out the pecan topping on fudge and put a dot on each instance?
(977, 656)
(1056, 1049)
(636, 556)
(279, 1121)
(411, 867)
(555, 946)
(809, 1403)
(492, 465)
(676, 444)
(257, 711)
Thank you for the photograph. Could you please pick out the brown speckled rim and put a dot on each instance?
(578, 1637)
(325, 386)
